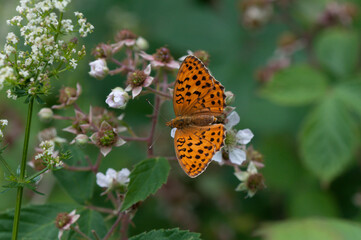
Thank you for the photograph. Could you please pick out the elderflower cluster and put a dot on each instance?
(48, 155)
(40, 52)
(3, 124)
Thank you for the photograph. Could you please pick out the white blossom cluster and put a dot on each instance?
(3, 124)
(42, 29)
(48, 155)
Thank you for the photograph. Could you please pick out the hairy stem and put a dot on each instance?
(22, 171)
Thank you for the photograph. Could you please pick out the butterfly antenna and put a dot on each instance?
(164, 119)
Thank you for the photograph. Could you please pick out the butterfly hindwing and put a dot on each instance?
(195, 147)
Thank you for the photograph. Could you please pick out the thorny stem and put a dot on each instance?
(22, 171)
(111, 230)
(76, 229)
(124, 228)
(101, 209)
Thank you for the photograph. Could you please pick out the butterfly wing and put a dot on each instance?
(196, 90)
(195, 147)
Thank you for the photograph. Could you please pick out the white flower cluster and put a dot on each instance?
(3, 124)
(41, 27)
(48, 155)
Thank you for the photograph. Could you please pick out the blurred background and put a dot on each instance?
(249, 42)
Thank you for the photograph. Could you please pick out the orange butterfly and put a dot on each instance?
(198, 102)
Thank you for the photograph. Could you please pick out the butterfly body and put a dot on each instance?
(181, 122)
(198, 102)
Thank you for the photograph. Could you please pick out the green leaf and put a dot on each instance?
(79, 185)
(338, 51)
(38, 222)
(312, 229)
(168, 234)
(350, 93)
(296, 85)
(328, 139)
(145, 179)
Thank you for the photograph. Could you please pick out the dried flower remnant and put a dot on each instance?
(162, 58)
(68, 96)
(138, 79)
(106, 138)
(64, 220)
(338, 13)
(255, 13)
(251, 180)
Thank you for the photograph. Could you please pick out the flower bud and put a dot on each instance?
(45, 114)
(118, 98)
(229, 97)
(81, 139)
(141, 43)
(98, 68)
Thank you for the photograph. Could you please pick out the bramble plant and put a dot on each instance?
(46, 47)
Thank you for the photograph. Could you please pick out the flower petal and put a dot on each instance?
(218, 157)
(128, 88)
(146, 56)
(237, 156)
(102, 180)
(136, 91)
(147, 70)
(242, 176)
(120, 142)
(148, 81)
(232, 120)
(172, 132)
(105, 150)
(173, 65)
(244, 136)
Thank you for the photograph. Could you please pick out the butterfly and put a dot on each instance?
(198, 102)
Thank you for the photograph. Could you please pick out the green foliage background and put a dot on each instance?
(307, 129)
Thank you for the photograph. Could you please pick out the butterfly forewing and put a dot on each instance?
(193, 88)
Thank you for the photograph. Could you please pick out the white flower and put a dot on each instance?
(3, 122)
(73, 63)
(118, 98)
(235, 142)
(113, 178)
(11, 38)
(98, 68)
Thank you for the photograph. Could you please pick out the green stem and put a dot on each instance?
(28, 179)
(22, 171)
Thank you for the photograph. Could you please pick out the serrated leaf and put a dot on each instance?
(145, 179)
(328, 139)
(338, 51)
(38, 222)
(168, 234)
(350, 93)
(79, 185)
(312, 229)
(296, 85)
